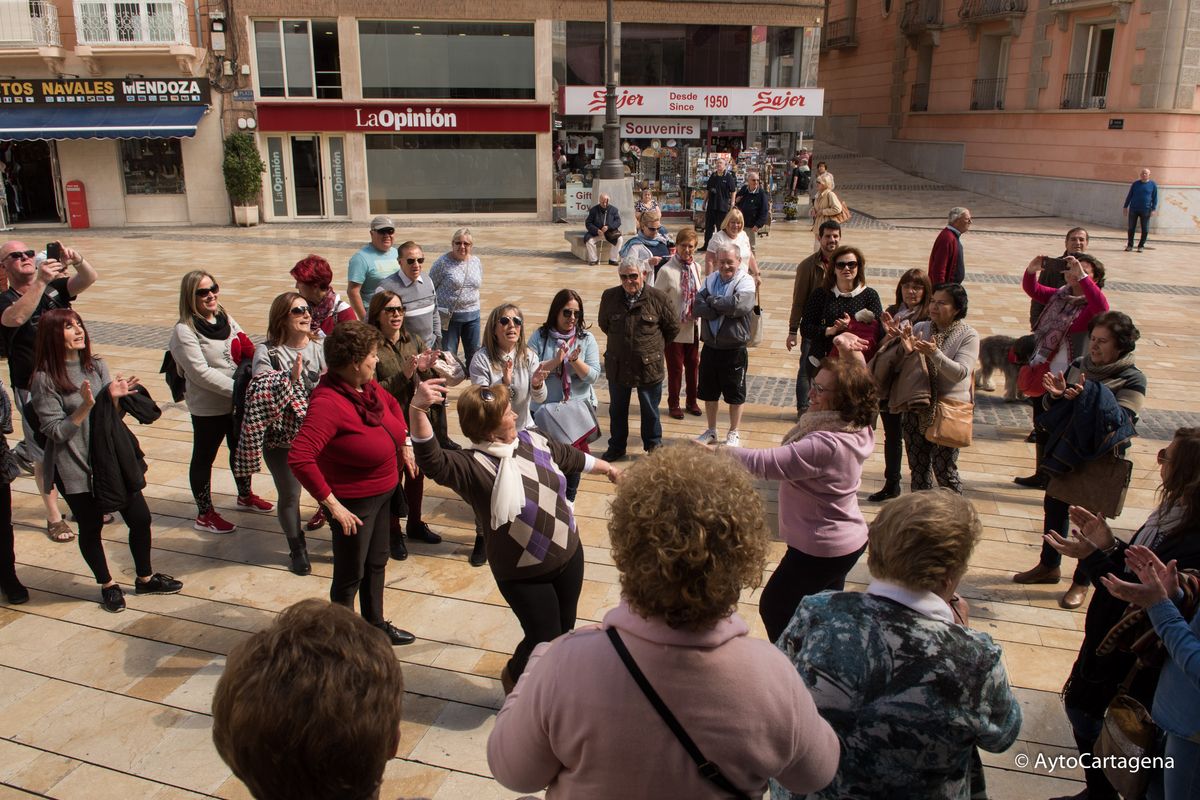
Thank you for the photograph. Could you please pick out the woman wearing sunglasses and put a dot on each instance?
(314, 282)
(833, 307)
(572, 356)
(404, 361)
(286, 369)
(457, 276)
(515, 481)
(207, 345)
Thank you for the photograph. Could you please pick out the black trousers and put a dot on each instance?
(893, 445)
(8, 551)
(360, 559)
(1134, 218)
(797, 576)
(91, 522)
(207, 435)
(545, 606)
(712, 221)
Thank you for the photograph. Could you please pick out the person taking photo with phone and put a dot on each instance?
(34, 287)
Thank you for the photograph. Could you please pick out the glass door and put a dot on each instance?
(307, 189)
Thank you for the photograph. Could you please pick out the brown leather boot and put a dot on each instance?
(1074, 596)
(1039, 574)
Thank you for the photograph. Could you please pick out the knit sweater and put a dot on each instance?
(337, 453)
(826, 306)
(1142, 196)
(67, 444)
(457, 283)
(208, 366)
(818, 502)
(485, 372)
(577, 723)
(954, 368)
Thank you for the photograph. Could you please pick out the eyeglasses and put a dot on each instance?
(516, 322)
(299, 311)
(818, 388)
(847, 265)
(385, 231)
(393, 309)
(214, 289)
(570, 312)
(630, 276)
(18, 254)
(412, 261)
(1162, 456)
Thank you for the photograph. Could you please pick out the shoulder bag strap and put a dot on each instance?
(710, 771)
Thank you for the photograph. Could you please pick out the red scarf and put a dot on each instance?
(368, 402)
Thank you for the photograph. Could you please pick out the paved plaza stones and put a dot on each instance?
(94, 705)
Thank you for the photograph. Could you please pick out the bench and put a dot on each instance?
(575, 239)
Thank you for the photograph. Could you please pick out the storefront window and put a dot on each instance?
(455, 173)
(298, 58)
(684, 55)
(585, 54)
(152, 166)
(459, 60)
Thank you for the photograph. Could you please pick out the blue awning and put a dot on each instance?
(99, 122)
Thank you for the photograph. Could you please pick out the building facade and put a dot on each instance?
(1055, 104)
(106, 107)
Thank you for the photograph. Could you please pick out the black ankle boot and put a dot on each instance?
(890, 489)
(299, 555)
(399, 550)
(14, 592)
(478, 554)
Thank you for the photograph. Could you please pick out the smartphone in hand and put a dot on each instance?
(54, 251)
(1054, 264)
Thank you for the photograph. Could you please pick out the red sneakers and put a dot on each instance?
(253, 502)
(213, 523)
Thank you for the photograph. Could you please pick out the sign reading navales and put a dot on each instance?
(690, 101)
(105, 91)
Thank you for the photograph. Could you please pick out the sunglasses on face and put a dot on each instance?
(514, 321)
(386, 231)
(487, 395)
(629, 276)
(19, 254)
(214, 289)
(412, 261)
(393, 309)
(847, 265)
(299, 311)
(570, 312)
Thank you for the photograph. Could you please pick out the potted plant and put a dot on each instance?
(243, 169)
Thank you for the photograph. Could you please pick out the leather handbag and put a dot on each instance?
(758, 320)
(570, 422)
(1099, 485)
(1127, 735)
(952, 424)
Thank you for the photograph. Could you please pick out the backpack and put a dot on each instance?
(174, 379)
(242, 377)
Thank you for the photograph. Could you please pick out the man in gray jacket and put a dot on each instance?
(724, 305)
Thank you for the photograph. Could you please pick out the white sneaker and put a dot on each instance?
(708, 437)
(733, 439)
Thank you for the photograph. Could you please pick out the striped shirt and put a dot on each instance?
(420, 305)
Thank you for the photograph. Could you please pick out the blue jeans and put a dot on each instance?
(1183, 779)
(464, 327)
(618, 415)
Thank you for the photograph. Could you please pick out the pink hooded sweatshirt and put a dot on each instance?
(818, 496)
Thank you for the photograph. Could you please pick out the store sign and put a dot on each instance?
(337, 174)
(693, 100)
(579, 201)
(125, 91)
(403, 118)
(640, 128)
(275, 170)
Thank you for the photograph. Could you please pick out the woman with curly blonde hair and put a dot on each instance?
(578, 723)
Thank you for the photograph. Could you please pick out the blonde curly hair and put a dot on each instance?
(923, 540)
(688, 534)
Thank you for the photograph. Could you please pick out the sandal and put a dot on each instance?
(59, 531)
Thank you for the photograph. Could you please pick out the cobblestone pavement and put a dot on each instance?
(99, 705)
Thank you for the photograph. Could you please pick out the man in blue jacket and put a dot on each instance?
(603, 219)
(1141, 202)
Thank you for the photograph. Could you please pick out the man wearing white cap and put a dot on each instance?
(370, 265)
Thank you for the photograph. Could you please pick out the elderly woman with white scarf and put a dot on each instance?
(531, 539)
(724, 304)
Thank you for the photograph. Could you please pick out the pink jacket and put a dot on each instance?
(818, 496)
(579, 725)
(1097, 303)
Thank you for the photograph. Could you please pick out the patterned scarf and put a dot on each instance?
(948, 341)
(1056, 319)
(812, 421)
(564, 370)
(321, 311)
(1109, 374)
(687, 291)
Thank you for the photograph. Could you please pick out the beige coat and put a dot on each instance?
(667, 282)
(826, 206)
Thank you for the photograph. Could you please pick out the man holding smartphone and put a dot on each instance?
(1054, 274)
(35, 287)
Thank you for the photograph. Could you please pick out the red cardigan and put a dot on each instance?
(943, 258)
(336, 452)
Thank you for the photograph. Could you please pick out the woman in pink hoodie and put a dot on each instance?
(819, 465)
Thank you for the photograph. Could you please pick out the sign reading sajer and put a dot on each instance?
(692, 100)
(108, 91)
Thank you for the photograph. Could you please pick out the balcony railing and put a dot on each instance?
(28, 23)
(919, 99)
(987, 94)
(1085, 90)
(920, 16)
(102, 22)
(837, 34)
(979, 10)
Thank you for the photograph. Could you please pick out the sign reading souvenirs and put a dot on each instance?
(641, 128)
(403, 118)
(692, 100)
(108, 91)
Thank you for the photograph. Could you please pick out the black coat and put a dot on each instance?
(755, 207)
(118, 464)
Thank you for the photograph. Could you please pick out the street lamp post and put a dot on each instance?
(611, 168)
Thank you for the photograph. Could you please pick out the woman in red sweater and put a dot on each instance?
(348, 455)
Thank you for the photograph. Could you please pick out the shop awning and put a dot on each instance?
(99, 122)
